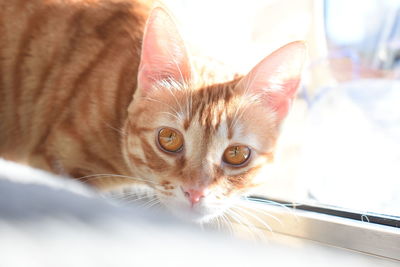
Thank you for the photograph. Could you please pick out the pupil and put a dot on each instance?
(236, 151)
(171, 137)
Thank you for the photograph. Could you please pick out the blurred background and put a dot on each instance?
(341, 143)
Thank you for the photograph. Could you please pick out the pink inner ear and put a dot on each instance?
(277, 77)
(164, 55)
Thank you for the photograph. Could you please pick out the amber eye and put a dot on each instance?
(170, 140)
(236, 155)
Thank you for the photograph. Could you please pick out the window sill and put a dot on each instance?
(359, 236)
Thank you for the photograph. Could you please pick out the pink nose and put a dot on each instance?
(193, 195)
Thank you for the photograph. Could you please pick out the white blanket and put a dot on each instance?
(51, 221)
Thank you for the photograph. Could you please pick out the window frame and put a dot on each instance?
(370, 233)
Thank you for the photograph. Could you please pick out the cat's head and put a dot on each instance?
(200, 148)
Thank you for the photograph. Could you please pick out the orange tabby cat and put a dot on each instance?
(88, 89)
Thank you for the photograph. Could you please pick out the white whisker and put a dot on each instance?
(161, 102)
(228, 224)
(218, 223)
(255, 217)
(153, 204)
(176, 99)
(150, 203)
(258, 208)
(115, 129)
(277, 204)
(127, 199)
(242, 222)
(100, 176)
(170, 114)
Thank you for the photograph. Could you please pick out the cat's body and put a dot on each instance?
(86, 89)
(65, 85)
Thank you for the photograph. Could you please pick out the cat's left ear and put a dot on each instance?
(163, 55)
(276, 78)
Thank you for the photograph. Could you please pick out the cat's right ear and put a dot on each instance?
(163, 55)
(276, 78)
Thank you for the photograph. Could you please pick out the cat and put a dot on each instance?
(105, 91)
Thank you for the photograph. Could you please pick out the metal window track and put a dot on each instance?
(373, 234)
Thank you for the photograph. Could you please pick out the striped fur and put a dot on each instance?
(68, 74)
(64, 83)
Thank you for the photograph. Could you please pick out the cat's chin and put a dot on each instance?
(196, 214)
(194, 217)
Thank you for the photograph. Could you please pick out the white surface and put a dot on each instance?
(351, 154)
(46, 223)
